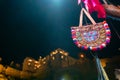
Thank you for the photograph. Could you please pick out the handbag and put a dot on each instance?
(91, 37)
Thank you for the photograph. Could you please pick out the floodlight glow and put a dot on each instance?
(62, 79)
(57, 2)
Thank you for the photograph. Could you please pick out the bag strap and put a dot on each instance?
(88, 15)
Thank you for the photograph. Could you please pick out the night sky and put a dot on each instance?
(37, 27)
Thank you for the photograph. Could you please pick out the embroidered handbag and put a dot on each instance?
(91, 37)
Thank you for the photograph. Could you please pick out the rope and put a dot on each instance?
(102, 75)
(107, 2)
(116, 32)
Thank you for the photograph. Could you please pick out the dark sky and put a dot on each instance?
(37, 27)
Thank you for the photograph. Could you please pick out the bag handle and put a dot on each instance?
(88, 15)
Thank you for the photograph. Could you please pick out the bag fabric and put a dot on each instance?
(93, 37)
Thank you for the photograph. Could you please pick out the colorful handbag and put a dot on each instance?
(91, 37)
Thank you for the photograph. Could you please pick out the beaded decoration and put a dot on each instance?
(91, 37)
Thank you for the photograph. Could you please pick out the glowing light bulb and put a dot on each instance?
(82, 56)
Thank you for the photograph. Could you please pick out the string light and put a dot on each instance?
(30, 60)
(53, 58)
(29, 64)
(62, 57)
(82, 55)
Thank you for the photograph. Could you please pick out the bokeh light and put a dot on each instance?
(66, 77)
(81, 55)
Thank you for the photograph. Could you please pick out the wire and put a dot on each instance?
(115, 30)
